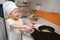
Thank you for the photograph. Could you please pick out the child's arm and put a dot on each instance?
(21, 27)
(18, 26)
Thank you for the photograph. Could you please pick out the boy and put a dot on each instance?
(33, 19)
(14, 24)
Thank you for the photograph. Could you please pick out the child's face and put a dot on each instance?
(15, 13)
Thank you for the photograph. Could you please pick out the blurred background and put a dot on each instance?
(48, 12)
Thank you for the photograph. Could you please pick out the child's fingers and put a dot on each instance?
(22, 30)
(32, 31)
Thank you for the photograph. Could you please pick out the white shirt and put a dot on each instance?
(13, 34)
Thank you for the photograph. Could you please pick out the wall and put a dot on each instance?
(47, 5)
(51, 5)
(49, 16)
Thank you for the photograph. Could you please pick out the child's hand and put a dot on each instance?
(28, 28)
(22, 30)
(32, 30)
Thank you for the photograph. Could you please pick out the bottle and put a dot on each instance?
(27, 33)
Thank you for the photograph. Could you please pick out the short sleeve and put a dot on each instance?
(9, 22)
